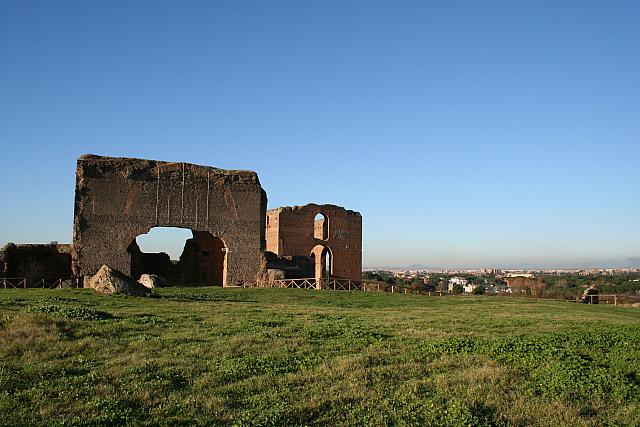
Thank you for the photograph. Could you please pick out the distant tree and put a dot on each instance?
(370, 275)
(458, 289)
(442, 285)
(479, 290)
(429, 287)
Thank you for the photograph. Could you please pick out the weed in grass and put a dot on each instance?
(65, 312)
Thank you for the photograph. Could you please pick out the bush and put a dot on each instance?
(65, 312)
(478, 290)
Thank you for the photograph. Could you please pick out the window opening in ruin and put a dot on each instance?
(182, 256)
(326, 264)
(322, 258)
(321, 227)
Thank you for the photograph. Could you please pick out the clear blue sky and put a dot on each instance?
(466, 133)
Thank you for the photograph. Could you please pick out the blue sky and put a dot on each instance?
(466, 133)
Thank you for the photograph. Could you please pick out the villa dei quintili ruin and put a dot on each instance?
(236, 240)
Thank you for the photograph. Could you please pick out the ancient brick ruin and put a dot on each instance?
(119, 199)
(235, 240)
(36, 261)
(330, 235)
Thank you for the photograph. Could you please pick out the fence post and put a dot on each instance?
(25, 283)
(391, 288)
(615, 300)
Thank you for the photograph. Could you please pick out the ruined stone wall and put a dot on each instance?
(291, 232)
(117, 199)
(292, 267)
(36, 261)
(212, 249)
(522, 285)
(152, 263)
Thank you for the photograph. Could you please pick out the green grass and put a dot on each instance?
(215, 356)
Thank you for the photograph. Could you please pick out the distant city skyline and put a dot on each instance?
(622, 264)
(468, 134)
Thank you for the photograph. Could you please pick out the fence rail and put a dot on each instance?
(42, 283)
(334, 284)
(614, 299)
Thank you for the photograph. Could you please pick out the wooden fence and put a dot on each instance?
(42, 283)
(335, 284)
(373, 286)
(609, 299)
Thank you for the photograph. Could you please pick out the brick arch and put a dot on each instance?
(322, 257)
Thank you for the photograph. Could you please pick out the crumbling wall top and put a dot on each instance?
(142, 169)
(314, 206)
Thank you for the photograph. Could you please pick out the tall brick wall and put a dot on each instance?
(290, 231)
(117, 199)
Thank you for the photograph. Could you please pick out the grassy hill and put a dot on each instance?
(294, 357)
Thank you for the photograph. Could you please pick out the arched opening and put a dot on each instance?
(323, 261)
(167, 240)
(182, 256)
(321, 227)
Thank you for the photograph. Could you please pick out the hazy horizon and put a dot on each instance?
(465, 133)
(627, 263)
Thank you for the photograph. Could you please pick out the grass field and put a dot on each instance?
(293, 357)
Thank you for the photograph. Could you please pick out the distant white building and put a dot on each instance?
(520, 274)
(502, 287)
(468, 287)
